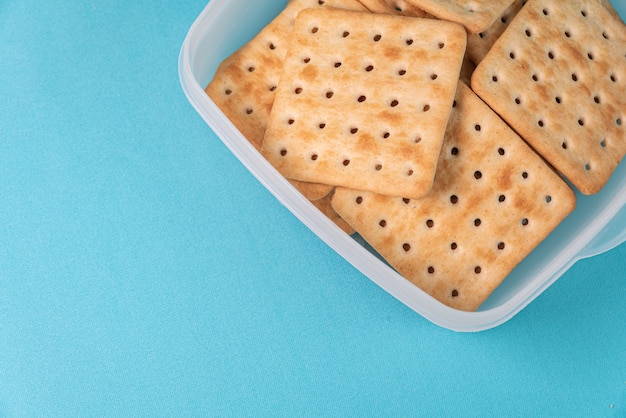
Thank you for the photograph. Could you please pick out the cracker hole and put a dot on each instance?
(481, 34)
(306, 60)
(454, 103)
(314, 29)
(540, 123)
(478, 270)
(590, 55)
(409, 172)
(298, 90)
(596, 99)
(454, 199)
(603, 143)
(535, 77)
(477, 128)
(501, 246)
(567, 34)
(501, 151)
(272, 87)
(512, 55)
(545, 12)
(430, 223)
(557, 99)
(525, 222)
(618, 122)
(528, 33)
(574, 77)
(518, 100)
(426, 108)
(564, 145)
(478, 175)
(321, 2)
(613, 78)
(361, 99)
(401, 72)
(377, 37)
(329, 94)
(394, 103)
(251, 69)
(228, 92)
(581, 122)
(346, 162)
(406, 247)
(378, 167)
(503, 19)
(406, 200)
(548, 199)
(454, 151)
(345, 34)
(417, 140)
(477, 222)
(283, 152)
(551, 55)
(314, 157)
(249, 111)
(431, 270)
(409, 41)
(354, 130)
(454, 293)
(441, 45)
(359, 200)
(583, 13)
(382, 223)
(291, 121)
(433, 76)
(386, 135)
(369, 68)
(494, 79)
(501, 198)
(271, 46)
(322, 125)
(525, 175)
(337, 64)
(605, 35)
(587, 167)
(454, 246)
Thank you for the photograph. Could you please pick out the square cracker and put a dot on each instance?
(557, 75)
(493, 201)
(244, 84)
(364, 99)
(475, 15)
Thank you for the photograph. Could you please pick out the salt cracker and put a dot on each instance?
(557, 75)
(364, 99)
(244, 84)
(475, 15)
(493, 201)
(478, 44)
(399, 7)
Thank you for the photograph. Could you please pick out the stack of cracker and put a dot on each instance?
(444, 133)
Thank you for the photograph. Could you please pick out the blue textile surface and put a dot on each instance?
(145, 272)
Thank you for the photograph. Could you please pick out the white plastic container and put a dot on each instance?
(597, 224)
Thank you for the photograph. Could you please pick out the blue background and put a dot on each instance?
(145, 272)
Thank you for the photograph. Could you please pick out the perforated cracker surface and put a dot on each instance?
(244, 84)
(364, 99)
(476, 15)
(493, 201)
(557, 75)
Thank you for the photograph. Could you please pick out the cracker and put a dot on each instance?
(493, 201)
(478, 44)
(399, 7)
(476, 15)
(364, 99)
(557, 75)
(244, 84)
